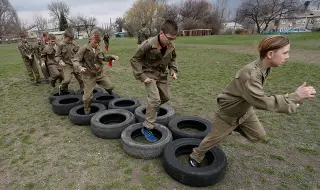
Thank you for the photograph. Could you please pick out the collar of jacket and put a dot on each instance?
(154, 42)
(90, 48)
(263, 70)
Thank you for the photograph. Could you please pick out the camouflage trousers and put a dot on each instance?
(68, 71)
(32, 70)
(248, 126)
(158, 93)
(90, 80)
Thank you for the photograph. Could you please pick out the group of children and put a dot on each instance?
(154, 60)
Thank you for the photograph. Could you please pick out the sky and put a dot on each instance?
(100, 9)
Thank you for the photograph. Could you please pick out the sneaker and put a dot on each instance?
(148, 134)
(193, 163)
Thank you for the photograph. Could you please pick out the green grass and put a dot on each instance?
(40, 150)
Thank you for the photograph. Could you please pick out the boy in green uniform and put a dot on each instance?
(150, 65)
(244, 92)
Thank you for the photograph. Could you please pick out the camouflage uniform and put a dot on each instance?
(26, 50)
(236, 104)
(65, 53)
(149, 62)
(92, 60)
(143, 34)
(48, 57)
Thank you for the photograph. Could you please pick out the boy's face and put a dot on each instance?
(52, 42)
(45, 38)
(166, 39)
(279, 57)
(94, 43)
(67, 39)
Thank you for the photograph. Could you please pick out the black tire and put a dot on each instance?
(62, 105)
(202, 176)
(54, 95)
(78, 117)
(145, 150)
(104, 98)
(109, 124)
(165, 114)
(96, 91)
(203, 127)
(129, 104)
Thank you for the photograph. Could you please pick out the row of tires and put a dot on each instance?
(113, 117)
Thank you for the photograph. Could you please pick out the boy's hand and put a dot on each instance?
(174, 76)
(82, 69)
(305, 91)
(29, 56)
(115, 57)
(43, 64)
(147, 81)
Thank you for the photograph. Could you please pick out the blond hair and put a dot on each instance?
(271, 43)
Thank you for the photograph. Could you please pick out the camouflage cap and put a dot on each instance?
(68, 32)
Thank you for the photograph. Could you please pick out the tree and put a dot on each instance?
(63, 23)
(222, 10)
(262, 12)
(56, 9)
(119, 24)
(9, 21)
(316, 4)
(75, 23)
(150, 12)
(88, 23)
(40, 21)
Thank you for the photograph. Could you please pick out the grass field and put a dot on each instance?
(40, 150)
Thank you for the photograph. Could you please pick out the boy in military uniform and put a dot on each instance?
(89, 61)
(143, 33)
(48, 58)
(27, 54)
(65, 53)
(244, 92)
(45, 68)
(150, 65)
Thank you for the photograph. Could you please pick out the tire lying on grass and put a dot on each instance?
(104, 98)
(165, 114)
(189, 127)
(62, 105)
(54, 95)
(144, 149)
(109, 124)
(78, 117)
(212, 168)
(129, 104)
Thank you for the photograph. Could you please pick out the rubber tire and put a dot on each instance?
(163, 120)
(64, 109)
(193, 176)
(144, 151)
(104, 102)
(178, 133)
(130, 108)
(111, 131)
(54, 95)
(96, 90)
(84, 119)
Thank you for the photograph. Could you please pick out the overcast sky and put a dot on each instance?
(100, 9)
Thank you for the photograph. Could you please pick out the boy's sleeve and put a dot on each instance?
(255, 95)
(137, 62)
(76, 61)
(43, 56)
(58, 56)
(22, 51)
(173, 68)
(108, 58)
